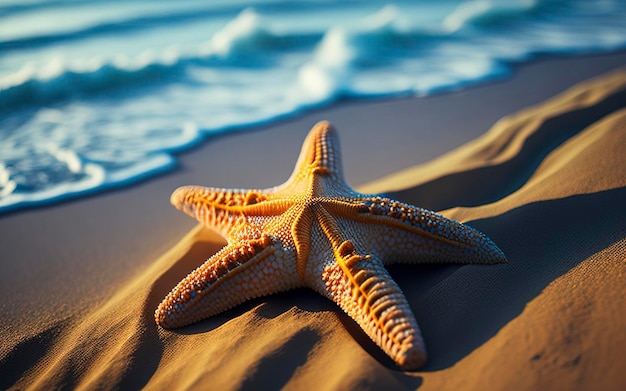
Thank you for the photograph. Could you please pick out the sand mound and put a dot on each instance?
(503, 159)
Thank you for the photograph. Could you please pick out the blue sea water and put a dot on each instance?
(100, 93)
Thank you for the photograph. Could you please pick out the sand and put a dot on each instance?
(536, 162)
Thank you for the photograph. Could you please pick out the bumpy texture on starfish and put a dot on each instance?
(315, 231)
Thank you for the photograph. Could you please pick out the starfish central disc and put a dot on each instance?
(315, 231)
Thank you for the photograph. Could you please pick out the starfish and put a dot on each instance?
(316, 231)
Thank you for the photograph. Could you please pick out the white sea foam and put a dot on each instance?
(238, 35)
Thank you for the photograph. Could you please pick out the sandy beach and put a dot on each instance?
(535, 161)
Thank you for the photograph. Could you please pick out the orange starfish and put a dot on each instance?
(315, 231)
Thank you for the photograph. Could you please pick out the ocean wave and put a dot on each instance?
(90, 178)
(113, 28)
(489, 13)
(381, 40)
(61, 165)
(8, 8)
(242, 42)
(58, 81)
(247, 38)
(149, 19)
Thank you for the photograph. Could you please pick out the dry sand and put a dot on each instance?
(79, 281)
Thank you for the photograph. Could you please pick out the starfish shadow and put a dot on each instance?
(199, 251)
(542, 241)
(20, 357)
(278, 367)
(146, 355)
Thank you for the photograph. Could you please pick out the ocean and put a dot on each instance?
(96, 94)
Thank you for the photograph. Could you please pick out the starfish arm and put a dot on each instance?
(234, 275)
(362, 287)
(319, 157)
(406, 233)
(223, 209)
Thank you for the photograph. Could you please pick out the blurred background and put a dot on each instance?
(101, 93)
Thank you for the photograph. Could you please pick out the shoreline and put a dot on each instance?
(439, 138)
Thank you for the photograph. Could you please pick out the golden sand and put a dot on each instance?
(547, 184)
